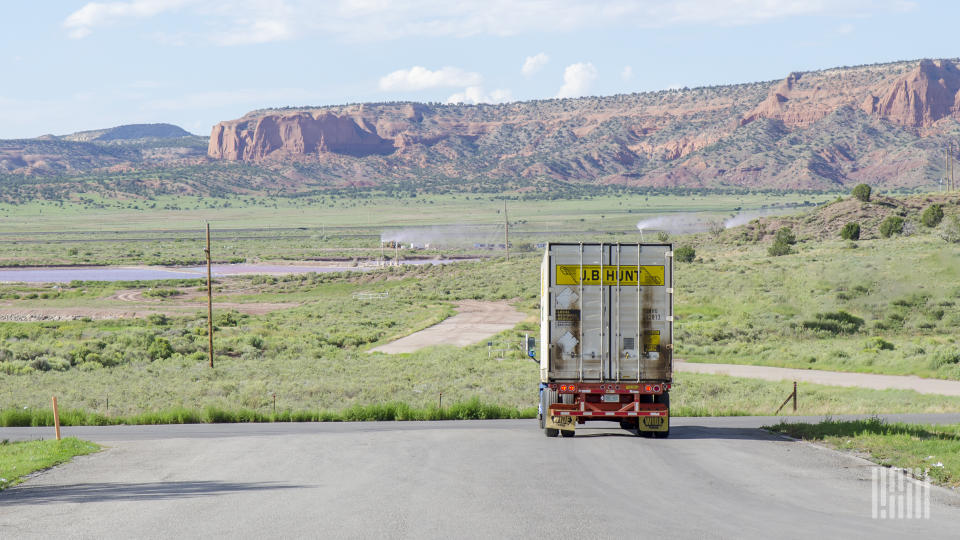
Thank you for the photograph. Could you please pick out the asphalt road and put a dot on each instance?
(713, 478)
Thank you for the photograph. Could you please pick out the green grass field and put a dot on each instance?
(18, 459)
(169, 231)
(906, 291)
(932, 448)
(735, 303)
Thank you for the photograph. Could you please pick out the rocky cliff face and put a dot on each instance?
(285, 136)
(918, 98)
(813, 130)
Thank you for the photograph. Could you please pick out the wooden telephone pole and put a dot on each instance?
(506, 230)
(209, 300)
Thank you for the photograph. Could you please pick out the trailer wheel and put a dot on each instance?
(547, 397)
(665, 399)
(567, 432)
(550, 432)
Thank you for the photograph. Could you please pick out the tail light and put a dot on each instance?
(656, 388)
(648, 388)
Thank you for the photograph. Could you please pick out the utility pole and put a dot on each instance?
(506, 230)
(209, 300)
(946, 167)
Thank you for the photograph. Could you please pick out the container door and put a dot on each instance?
(642, 321)
(579, 313)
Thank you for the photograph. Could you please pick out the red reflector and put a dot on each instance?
(656, 388)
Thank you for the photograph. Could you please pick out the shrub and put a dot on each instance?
(839, 322)
(932, 216)
(162, 293)
(663, 237)
(944, 357)
(878, 344)
(850, 231)
(685, 254)
(785, 235)
(779, 248)
(160, 349)
(950, 230)
(158, 319)
(861, 192)
(891, 226)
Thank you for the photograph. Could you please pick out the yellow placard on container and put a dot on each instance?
(627, 276)
(651, 341)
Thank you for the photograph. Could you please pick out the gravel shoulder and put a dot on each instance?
(833, 378)
(475, 321)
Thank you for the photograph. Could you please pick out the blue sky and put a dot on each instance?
(76, 65)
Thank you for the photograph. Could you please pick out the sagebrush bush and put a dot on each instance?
(850, 231)
(861, 192)
(785, 235)
(932, 216)
(950, 230)
(779, 248)
(685, 254)
(891, 226)
(839, 322)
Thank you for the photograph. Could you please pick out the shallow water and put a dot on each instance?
(129, 273)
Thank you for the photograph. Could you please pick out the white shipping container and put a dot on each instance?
(606, 312)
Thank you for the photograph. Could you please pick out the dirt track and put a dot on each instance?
(474, 322)
(832, 378)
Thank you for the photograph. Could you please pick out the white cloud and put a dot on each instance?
(259, 21)
(261, 31)
(534, 64)
(626, 73)
(577, 80)
(80, 23)
(475, 94)
(845, 29)
(421, 78)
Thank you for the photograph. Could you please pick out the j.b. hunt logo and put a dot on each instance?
(900, 494)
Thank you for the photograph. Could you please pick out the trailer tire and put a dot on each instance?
(663, 398)
(547, 397)
(550, 432)
(567, 432)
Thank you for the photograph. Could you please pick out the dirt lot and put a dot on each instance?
(475, 321)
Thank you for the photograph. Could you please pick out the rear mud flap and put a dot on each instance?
(565, 423)
(654, 423)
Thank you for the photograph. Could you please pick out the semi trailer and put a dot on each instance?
(606, 336)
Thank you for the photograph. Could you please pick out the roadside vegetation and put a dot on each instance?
(931, 448)
(18, 459)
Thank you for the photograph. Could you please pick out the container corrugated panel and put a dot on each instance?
(606, 312)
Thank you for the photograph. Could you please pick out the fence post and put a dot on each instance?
(56, 417)
(794, 396)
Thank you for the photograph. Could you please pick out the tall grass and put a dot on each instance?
(473, 409)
